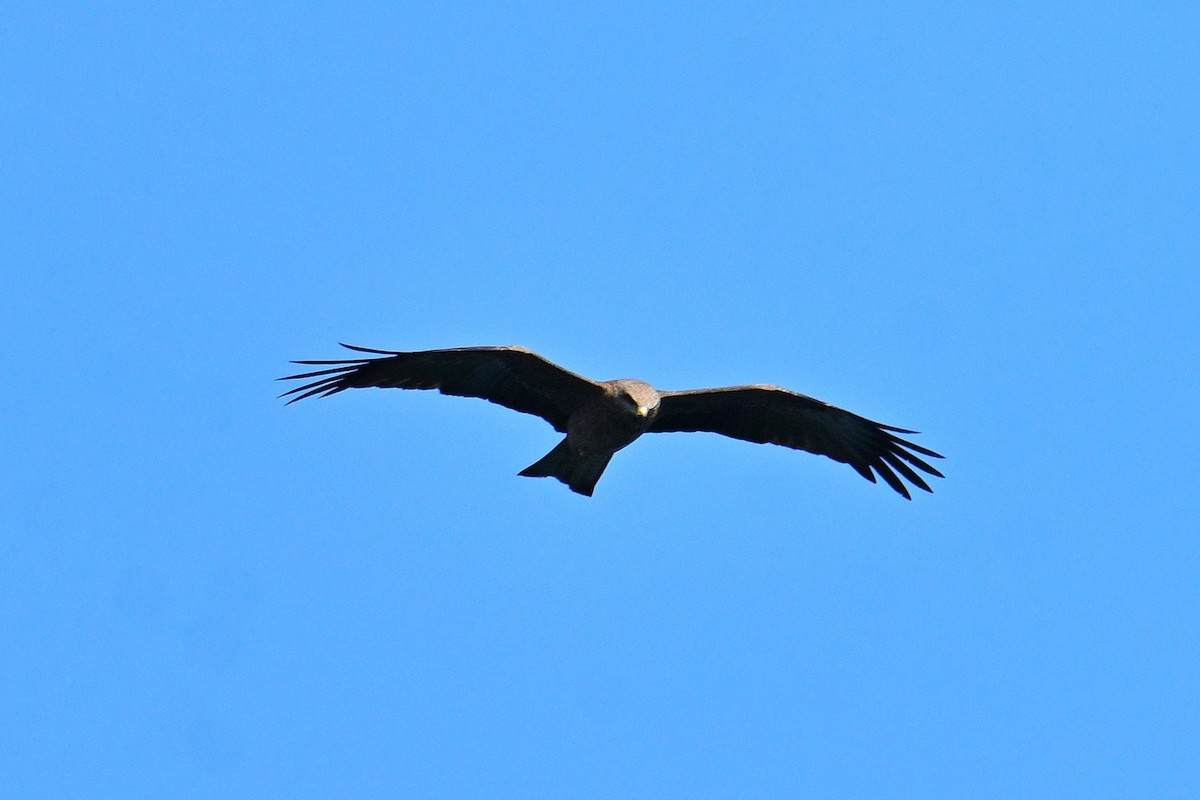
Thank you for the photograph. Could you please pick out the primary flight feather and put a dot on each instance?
(601, 417)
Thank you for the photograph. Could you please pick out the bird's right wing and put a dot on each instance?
(513, 377)
(769, 414)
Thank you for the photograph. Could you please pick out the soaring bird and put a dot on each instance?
(601, 417)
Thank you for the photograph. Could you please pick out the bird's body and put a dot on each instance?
(614, 419)
(600, 427)
(600, 418)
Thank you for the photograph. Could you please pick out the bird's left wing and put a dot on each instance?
(771, 415)
(514, 377)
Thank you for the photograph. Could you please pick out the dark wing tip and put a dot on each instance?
(879, 450)
(329, 381)
(895, 455)
(361, 349)
(892, 428)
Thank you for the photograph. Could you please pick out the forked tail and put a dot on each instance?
(577, 471)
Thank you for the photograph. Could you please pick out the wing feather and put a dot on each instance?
(514, 377)
(772, 415)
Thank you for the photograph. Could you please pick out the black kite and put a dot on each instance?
(599, 418)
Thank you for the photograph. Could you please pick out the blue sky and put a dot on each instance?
(976, 220)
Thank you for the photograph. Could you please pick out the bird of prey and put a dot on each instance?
(601, 417)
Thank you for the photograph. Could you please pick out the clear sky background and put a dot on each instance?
(981, 221)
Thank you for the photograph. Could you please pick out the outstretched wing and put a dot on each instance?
(769, 414)
(514, 377)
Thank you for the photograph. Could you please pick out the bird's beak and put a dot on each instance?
(643, 411)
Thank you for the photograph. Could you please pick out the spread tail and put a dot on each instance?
(577, 471)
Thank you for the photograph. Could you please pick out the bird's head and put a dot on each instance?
(640, 397)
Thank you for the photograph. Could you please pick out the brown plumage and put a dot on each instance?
(601, 417)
